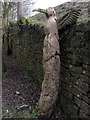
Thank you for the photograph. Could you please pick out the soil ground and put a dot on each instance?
(20, 94)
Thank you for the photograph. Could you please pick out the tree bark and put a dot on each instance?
(51, 67)
(1, 30)
(19, 10)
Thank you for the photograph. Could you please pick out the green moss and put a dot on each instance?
(29, 20)
(12, 21)
(23, 19)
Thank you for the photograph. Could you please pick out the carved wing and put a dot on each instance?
(69, 18)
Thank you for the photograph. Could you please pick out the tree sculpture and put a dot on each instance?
(51, 58)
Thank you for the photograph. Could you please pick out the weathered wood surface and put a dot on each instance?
(51, 66)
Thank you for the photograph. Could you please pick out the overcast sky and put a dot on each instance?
(48, 3)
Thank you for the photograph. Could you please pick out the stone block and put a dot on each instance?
(66, 86)
(73, 89)
(84, 86)
(85, 98)
(74, 75)
(73, 109)
(80, 90)
(86, 67)
(67, 94)
(85, 78)
(83, 105)
(76, 69)
(83, 115)
(65, 78)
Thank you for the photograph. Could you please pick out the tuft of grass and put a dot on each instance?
(27, 113)
(34, 112)
(3, 74)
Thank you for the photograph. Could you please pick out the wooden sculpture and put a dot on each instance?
(51, 58)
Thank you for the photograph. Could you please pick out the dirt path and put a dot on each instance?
(19, 93)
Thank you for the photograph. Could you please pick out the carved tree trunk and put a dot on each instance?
(51, 66)
(50, 85)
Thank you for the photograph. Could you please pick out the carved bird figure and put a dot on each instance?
(51, 58)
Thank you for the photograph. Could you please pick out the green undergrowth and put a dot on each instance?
(39, 19)
(3, 74)
(26, 21)
(25, 113)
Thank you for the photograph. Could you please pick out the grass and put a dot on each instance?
(26, 113)
(3, 74)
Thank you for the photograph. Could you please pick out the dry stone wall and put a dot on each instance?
(75, 70)
(26, 42)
